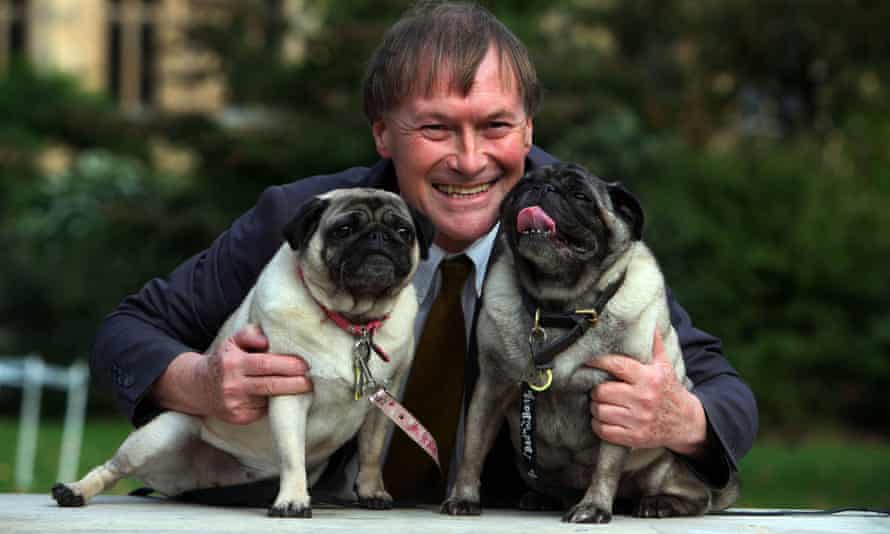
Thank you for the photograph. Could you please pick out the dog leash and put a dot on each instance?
(782, 513)
(543, 353)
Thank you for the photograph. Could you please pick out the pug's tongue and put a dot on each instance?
(534, 218)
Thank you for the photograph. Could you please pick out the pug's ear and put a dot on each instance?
(627, 207)
(425, 231)
(299, 230)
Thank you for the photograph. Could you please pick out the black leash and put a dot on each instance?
(785, 513)
(543, 353)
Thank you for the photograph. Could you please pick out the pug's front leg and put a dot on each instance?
(369, 482)
(596, 505)
(486, 415)
(287, 415)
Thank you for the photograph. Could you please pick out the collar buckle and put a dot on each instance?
(592, 315)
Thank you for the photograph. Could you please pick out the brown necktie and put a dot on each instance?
(433, 393)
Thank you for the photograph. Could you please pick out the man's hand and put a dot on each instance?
(646, 406)
(234, 382)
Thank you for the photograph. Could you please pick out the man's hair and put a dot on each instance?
(444, 42)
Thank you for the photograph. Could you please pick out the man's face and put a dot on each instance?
(457, 157)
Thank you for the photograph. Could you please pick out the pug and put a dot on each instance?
(349, 258)
(570, 252)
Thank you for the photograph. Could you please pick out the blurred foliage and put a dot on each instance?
(756, 134)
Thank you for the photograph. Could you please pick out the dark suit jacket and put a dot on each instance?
(183, 312)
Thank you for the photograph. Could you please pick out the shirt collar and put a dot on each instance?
(478, 253)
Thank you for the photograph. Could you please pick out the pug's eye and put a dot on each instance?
(343, 231)
(581, 196)
(405, 233)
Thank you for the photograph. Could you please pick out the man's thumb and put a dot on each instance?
(251, 338)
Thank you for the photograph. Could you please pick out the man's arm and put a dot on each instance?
(174, 319)
(712, 426)
(232, 383)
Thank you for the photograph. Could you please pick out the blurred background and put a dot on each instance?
(757, 134)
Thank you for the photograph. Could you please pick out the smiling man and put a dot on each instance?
(457, 150)
(450, 95)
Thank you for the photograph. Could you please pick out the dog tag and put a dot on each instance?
(361, 353)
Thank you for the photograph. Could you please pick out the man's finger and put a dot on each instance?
(611, 433)
(251, 338)
(279, 385)
(658, 352)
(610, 414)
(613, 392)
(621, 367)
(274, 364)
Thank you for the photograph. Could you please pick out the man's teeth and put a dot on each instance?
(458, 190)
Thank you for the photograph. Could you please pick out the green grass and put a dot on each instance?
(823, 471)
(101, 438)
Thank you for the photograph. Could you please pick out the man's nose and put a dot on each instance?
(468, 158)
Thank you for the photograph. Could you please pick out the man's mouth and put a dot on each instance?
(454, 190)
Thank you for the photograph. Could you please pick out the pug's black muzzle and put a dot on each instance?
(374, 263)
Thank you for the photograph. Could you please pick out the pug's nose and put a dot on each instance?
(377, 237)
(542, 189)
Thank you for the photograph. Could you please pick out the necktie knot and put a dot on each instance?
(454, 274)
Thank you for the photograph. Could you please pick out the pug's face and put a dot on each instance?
(363, 243)
(564, 223)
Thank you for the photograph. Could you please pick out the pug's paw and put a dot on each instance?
(291, 508)
(461, 507)
(66, 495)
(585, 512)
(379, 501)
(669, 506)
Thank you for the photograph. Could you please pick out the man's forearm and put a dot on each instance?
(181, 386)
(692, 439)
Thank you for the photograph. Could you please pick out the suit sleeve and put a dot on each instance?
(182, 312)
(728, 402)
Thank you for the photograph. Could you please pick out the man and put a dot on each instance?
(451, 96)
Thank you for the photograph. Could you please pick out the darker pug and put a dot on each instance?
(350, 257)
(570, 252)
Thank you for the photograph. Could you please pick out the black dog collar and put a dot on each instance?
(576, 322)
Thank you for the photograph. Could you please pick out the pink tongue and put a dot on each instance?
(534, 218)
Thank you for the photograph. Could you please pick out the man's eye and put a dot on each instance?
(435, 131)
(497, 128)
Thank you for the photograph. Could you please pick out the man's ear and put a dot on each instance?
(381, 142)
(299, 230)
(425, 231)
(528, 134)
(627, 207)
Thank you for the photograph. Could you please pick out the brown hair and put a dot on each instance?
(437, 42)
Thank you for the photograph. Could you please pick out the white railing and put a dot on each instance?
(31, 374)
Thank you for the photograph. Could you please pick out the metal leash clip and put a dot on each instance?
(361, 354)
(537, 338)
(538, 335)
